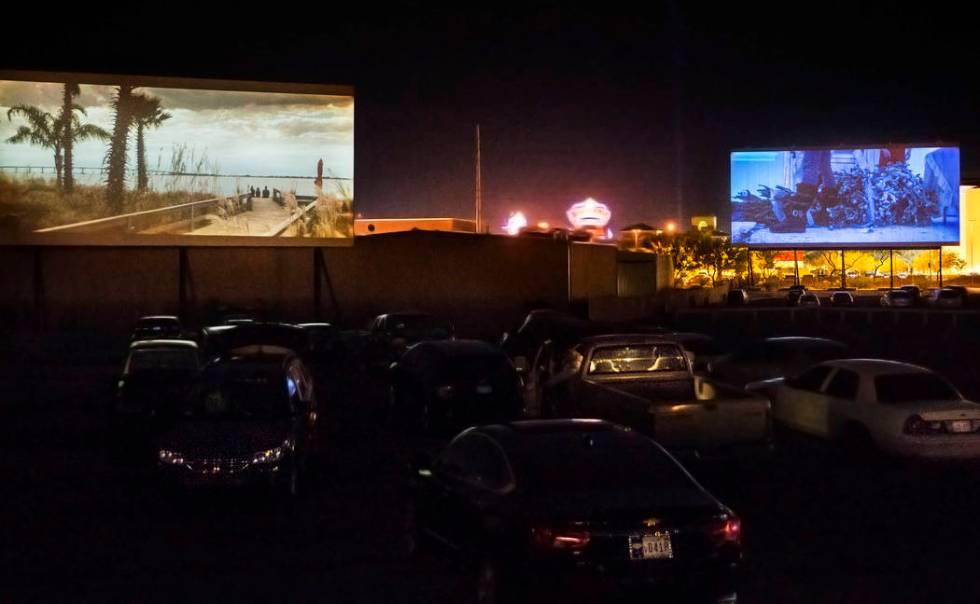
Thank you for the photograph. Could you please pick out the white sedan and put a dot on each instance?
(896, 407)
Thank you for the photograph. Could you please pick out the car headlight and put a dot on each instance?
(170, 457)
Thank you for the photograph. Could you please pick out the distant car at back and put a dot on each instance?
(841, 299)
(808, 300)
(442, 386)
(157, 327)
(774, 357)
(897, 298)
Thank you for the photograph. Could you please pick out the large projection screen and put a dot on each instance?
(867, 197)
(91, 159)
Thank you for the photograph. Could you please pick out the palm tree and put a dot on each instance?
(147, 113)
(44, 131)
(67, 115)
(116, 180)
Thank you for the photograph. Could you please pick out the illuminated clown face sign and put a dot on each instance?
(588, 215)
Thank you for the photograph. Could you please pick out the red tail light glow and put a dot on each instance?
(560, 539)
(729, 530)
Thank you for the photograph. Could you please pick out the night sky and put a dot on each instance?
(637, 110)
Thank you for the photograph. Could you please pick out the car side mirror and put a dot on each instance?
(520, 364)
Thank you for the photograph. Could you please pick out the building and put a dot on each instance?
(375, 226)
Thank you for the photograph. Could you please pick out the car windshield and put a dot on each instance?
(255, 396)
(949, 293)
(162, 359)
(639, 358)
(598, 462)
(901, 294)
(478, 366)
(908, 387)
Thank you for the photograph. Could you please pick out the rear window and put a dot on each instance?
(949, 293)
(901, 294)
(598, 462)
(641, 358)
(162, 360)
(908, 387)
(479, 366)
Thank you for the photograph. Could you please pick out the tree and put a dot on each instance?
(766, 263)
(44, 131)
(146, 114)
(878, 260)
(116, 181)
(824, 258)
(71, 90)
(953, 262)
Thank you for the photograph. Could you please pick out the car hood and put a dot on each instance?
(225, 438)
(622, 508)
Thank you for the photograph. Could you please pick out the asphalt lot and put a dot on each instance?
(79, 525)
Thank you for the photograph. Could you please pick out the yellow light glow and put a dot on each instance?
(670, 227)
(543, 225)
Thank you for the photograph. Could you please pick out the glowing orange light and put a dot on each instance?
(543, 225)
(670, 227)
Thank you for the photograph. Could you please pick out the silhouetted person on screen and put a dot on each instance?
(265, 192)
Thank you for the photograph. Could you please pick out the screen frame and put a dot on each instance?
(34, 238)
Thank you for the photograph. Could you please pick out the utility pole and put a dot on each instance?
(478, 193)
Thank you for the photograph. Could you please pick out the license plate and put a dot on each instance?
(961, 425)
(484, 389)
(651, 547)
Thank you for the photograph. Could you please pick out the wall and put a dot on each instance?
(483, 282)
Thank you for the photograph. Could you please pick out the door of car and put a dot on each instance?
(799, 403)
(840, 398)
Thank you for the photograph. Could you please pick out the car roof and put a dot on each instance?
(804, 340)
(513, 434)
(159, 318)
(459, 347)
(876, 366)
(631, 338)
(163, 344)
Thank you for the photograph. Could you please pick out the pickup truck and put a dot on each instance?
(646, 382)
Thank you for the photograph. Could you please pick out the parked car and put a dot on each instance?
(440, 387)
(774, 357)
(915, 291)
(896, 407)
(795, 291)
(701, 348)
(951, 297)
(391, 334)
(157, 327)
(737, 297)
(808, 300)
(841, 299)
(218, 341)
(897, 298)
(646, 382)
(853, 274)
(157, 376)
(547, 510)
(251, 419)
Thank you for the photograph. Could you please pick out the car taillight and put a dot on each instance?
(444, 392)
(727, 530)
(564, 539)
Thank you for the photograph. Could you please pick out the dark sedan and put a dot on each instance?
(252, 418)
(443, 386)
(551, 508)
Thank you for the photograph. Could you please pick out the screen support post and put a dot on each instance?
(843, 276)
(796, 266)
(941, 259)
(891, 269)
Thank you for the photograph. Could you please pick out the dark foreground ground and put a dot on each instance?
(78, 526)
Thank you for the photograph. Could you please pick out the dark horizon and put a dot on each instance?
(632, 110)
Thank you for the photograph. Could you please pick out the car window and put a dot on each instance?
(637, 359)
(907, 387)
(844, 384)
(476, 460)
(811, 379)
